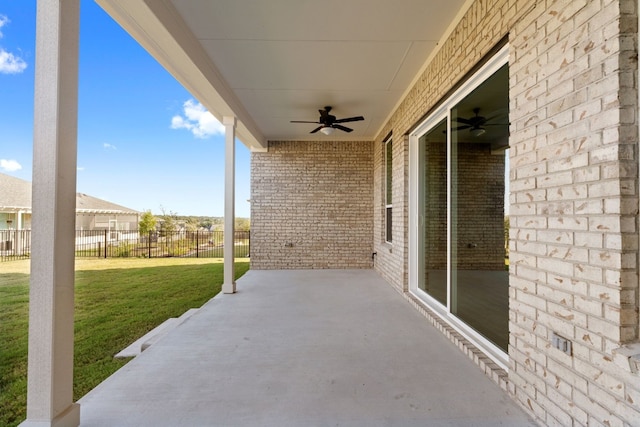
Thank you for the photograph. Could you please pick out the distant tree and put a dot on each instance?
(217, 224)
(169, 221)
(240, 224)
(243, 224)
(206, 223)
(192, 224)
(147, 222)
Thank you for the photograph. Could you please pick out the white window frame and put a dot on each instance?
(416, 221)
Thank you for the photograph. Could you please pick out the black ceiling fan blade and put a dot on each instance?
(502, 112)
(463, 120)
(316, 129)
(350, 119)
(344, 128)
(303, 121)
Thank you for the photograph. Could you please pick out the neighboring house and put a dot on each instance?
(97, 214)
(15, 203)
(91, 213)
(474, 110)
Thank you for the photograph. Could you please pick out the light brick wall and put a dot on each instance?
(574, 165)
(574, 196)
(312, 205)
(390, 257)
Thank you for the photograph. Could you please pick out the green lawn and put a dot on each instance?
(117, 301)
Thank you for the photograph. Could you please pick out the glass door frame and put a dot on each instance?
(416, 199)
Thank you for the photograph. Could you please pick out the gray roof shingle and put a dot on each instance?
(15, 193)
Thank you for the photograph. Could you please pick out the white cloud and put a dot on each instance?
(9, 63)
(108, 146)
(10, 165)
(3, 21)
(197, 120)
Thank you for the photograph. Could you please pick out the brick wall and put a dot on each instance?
(575, 204)
(390, 257)
(311, 205)
(574, 197)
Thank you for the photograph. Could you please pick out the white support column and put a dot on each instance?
(19, 233)
(51, 294)
(229, 285)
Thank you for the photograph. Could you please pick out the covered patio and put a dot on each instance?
(417, 85)
(294, 348)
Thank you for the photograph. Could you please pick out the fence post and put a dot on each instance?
(105, 243)
(149, 242)
(197, 244)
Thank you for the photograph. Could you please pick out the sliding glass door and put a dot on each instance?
(433, 175)
(460, 261)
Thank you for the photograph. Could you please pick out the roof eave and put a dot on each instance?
(160, 30)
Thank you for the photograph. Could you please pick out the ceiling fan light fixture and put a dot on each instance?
(478, 131)
(327, 130)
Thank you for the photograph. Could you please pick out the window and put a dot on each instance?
(388, 171)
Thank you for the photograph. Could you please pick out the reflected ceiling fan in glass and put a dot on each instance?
(477, 123)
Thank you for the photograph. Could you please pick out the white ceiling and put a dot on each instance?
(270, 62)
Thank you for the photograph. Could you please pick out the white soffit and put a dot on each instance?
(269, 62)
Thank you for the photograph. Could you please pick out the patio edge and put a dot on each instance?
(490, 368)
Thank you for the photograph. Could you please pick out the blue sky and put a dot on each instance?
(143, 140)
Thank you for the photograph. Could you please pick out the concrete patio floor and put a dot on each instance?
(302, 348)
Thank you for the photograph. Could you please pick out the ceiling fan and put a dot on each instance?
(477, 123)
(329, 122)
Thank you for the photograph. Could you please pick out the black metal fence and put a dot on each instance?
(132, 244)
(15, 244)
